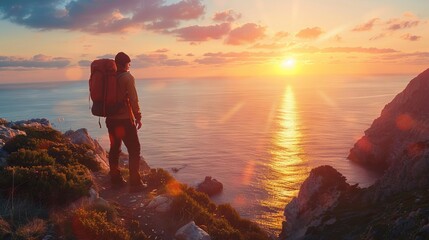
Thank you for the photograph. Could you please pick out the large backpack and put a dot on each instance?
(102, 88)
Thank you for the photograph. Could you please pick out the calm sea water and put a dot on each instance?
(259, 137)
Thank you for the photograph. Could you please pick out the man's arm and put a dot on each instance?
(134, 101)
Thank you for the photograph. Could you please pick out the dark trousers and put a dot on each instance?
(123, 130)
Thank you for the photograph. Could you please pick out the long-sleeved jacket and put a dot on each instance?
(126, 88)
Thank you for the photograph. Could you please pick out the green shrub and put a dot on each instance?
(62, 154)
(81, 154)
(157, 178)
(90, 224)
(48, 184)
(28, 158)
(71, 154)
(20, 141)
(44, 132)
(201, 198)
(249, 229)
(221, 230)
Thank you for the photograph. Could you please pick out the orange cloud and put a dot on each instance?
(309, 33)
(270, 46)
(366, 26)
(281, 35)
(226, 16)
(37, 61)
(236, 57)
(248, 33)
(408, 20)
(203, 33)
(344, 50)
(410, 37)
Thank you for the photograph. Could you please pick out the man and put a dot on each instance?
(123, 126)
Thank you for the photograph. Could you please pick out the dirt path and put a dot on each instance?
(132, 210)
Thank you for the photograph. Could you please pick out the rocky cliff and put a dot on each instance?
(396, 206)
(403, 122)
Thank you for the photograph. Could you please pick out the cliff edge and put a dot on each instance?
(402, 123)
(396, 206)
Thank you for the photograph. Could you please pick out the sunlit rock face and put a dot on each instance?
(407, 173)
(81, 136)
(403, 122)
(319, 193)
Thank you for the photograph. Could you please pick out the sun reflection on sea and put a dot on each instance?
(287, 167)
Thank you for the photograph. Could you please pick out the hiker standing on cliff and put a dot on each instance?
(123, 126)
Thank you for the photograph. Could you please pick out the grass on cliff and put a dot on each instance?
(220, 222)
(44, 170)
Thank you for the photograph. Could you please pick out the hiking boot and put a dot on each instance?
(137, 186)
(118, 181)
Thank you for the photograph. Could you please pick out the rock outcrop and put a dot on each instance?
(403, 122)
(396, 206)
(319, 193)
(191, 232)
(210, 186)
(81, 136)
(34, 122)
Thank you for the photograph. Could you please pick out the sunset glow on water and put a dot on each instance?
(259, 137)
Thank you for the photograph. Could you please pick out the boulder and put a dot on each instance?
(191, 232)
(34, 122)
(402, 122)
(161, 203)
(210, 186)
(319, 193)
(81, 136)
(3, 121)
(6, 133)
(124, 159)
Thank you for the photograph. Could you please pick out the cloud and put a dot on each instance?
(162, 50)
(226, 16)
(248, 33)
(358, 50)
(408, 20)
(37, 61)
(366, 26)
(84, 63)
(344, 50)
(109, 55)
(270, 46)
(410, 37)
(309, 33)
(202, 33)
(150, 60)
(100, 16)
(236, 57)
(280, 35)
(212, 60)
(379, 36)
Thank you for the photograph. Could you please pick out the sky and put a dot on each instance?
(56, 40)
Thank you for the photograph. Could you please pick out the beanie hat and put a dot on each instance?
(121, 59)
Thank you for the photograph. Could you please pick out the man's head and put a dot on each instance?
(122, 60)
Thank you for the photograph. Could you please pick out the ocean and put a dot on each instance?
(259, 137)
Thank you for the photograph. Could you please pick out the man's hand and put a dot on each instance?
(138, 124)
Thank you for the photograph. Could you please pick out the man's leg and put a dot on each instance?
(132, 143)
(116, 133)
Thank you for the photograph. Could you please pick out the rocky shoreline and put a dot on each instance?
(396, 206)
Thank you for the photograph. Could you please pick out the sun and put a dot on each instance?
(288, 63)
